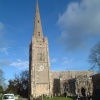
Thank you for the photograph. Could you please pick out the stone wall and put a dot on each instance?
(70, 74)
(63, 77)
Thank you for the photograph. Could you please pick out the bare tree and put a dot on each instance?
(19, 85)
(94, 57)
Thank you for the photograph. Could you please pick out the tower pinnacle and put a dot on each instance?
(37, 24)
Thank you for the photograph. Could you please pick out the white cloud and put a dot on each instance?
(54, 60)
(1, 26)
(66, 61)
(4, 50)
(4, 63)
(80, 22)
(20, 64)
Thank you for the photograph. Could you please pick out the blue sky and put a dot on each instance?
(72, 28)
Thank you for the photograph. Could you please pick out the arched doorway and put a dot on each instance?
(83, 91)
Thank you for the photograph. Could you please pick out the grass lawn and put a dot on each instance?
(55, 98)
(0, 98)
(58, 98)
(19, 99)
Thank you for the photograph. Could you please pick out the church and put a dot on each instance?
(43, 81)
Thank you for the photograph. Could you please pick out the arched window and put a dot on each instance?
(38, 33)
(38, 21)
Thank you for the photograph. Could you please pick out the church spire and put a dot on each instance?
(37, 24)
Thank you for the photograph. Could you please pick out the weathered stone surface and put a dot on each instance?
(39, 81)
(67, 82)
(42, 81)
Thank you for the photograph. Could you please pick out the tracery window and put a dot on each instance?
(40, 56)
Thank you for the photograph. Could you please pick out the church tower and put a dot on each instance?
(39, 64)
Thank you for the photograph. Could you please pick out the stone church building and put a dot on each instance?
(43, 81)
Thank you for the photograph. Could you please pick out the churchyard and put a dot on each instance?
(59, 98)
(55, 98)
